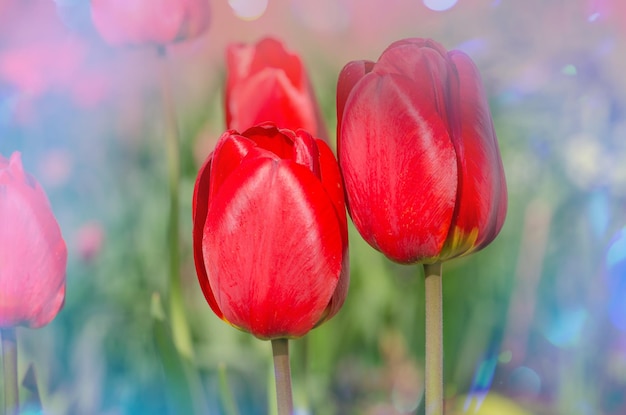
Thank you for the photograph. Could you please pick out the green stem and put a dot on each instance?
(9, 362)
(433, 393)
(282, 374)
(180, 329)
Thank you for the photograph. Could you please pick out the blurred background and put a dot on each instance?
(534, 324)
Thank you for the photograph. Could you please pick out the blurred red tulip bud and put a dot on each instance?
(159, 22)
(90, 238)
(418, 152)
(33, 255)
(270, 231)
(267, 83)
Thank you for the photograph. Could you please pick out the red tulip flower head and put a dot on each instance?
(270, 231)
(33, 255)
(157, 22)
(418, 152)
(267, 83)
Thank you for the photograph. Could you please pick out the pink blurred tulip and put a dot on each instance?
(33, 254)
(89, 240)
(47, 57)
(38, 66)
(137, 22)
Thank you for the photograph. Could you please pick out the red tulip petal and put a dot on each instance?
(428, 69)
(306, 152)
(268, 83)
(400, 175)
(238, 58)
(272, 249)
(230, 150)
(229, 153)
(200, 209)
(417, 42)
(272, 53)
(481, 202)
(269, 137)
(333, 183)
(270, 96)
(348, 77)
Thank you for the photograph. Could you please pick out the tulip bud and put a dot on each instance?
(267, 83)
(418, 152)
(33, 255)
(270, 231)
(158, 22)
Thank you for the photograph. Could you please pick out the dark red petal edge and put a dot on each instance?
(200, 207)
(333, 183)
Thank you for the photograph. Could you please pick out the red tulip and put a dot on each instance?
(267, 83)
(270, 231)
(418, 152)
(32, 251)
(149, 21)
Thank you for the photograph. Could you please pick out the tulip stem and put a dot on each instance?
(433, 394)
(180, 329)
(9, 363)
(282, 374)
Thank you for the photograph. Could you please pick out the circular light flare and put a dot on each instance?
(525, 381)
(616, 283)
(440, 5)
(616, 254)
(593, 17)
(248, 9)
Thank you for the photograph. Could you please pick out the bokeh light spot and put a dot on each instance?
(505, 357)
(585, 159)
(439, 5)
(525, 382)
(566, 327)
(593, 17)
(474, 46)
(569, 70)
(248, 9)
(405, 401)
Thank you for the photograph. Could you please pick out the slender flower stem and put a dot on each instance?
(180, 329)
(434, 340)
(282, 373)
(9, 362)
